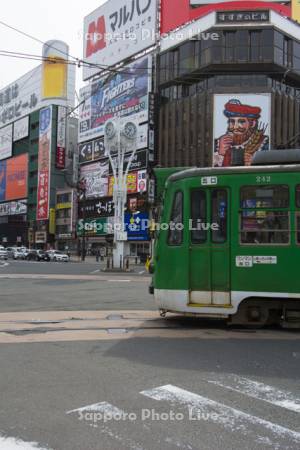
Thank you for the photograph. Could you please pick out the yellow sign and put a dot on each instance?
(52, 223)
(55, 69)
(67, 205)
(296, 10)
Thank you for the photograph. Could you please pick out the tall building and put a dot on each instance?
(37, 143)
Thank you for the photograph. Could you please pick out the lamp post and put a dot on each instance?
(120, 137)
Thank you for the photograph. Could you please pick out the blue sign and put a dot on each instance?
(137, 226)
(2, 180)
(45, 119)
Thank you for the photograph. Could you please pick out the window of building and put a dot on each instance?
(175, 236)
(260, 223)
(198, 216)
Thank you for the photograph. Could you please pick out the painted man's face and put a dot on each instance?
(239, 125)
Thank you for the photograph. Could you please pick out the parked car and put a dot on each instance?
(37, 255)
(3, 253)
(56, 255)
(10, 251)
(18, 253)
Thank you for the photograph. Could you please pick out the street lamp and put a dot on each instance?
(120, 138)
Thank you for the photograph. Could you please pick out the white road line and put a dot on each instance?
(109, 412)
(102, 407)
(118, 281)
(259, 430)
(142, 271)
(95, 271)
(260, 391)
(8, 443)
(4, 265)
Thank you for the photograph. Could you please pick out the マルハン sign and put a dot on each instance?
(116, 31)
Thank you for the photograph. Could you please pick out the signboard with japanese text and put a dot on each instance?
(121, 95)
(96, 208)
(95, 177)
(13, 208)
(44, 164)
(117, 30)
(6, 137)
(243, 16)
(21, 128)
(23, 96)
(92, 227)
(131, 184)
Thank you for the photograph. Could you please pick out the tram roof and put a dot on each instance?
(287, 160)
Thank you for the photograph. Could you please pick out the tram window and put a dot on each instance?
(219, 215)
(175, 236)
(198, 216)
(298, 227)
(264, 227)
(298, 196)
(273, 196)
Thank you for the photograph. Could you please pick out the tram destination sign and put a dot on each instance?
(226, 17)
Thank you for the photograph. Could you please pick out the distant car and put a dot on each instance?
(3, 253)
(37, 255)
(56, 255)
(18, 253)
(10, 251)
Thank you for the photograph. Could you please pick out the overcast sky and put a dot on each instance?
(46, 20)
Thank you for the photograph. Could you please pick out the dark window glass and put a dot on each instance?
(278, 40)
(229, 38)
(242, 53)
(198, 217)
(175, 236)
(298, 227)
(273, 196)
(267, 37)
(255, 38)
(242, 37)
(264, 227)
(219, 205)
(298, 196)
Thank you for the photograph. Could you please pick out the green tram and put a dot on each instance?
(228, 243)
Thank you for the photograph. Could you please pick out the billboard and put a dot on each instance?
(6, 136)
(242, 127)
(44, 164)
(16, 177)
(23, 96)
(95, 177)
(137, 226)
(13, 208)
(117, 30)
(132, 183)
(177, 13)
(21, 128)
(60, 159)
(120, 95)
(13, 178)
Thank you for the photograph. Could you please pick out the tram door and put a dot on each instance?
(209, 249)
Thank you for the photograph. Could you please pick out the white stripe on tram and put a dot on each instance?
(260, 391)
(9, 443)
(259, 430)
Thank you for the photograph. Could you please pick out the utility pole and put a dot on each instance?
(120, 138)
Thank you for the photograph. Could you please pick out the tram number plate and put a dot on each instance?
(209, 181)
(264, 259)
(244, 261)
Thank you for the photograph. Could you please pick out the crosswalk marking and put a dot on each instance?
(102, 407)
(9, 443)
(259, 391)
(259, 430)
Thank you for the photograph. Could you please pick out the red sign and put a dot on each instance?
(175, 13)
(96, 28)
(16, 177)
(60, 160)
(44, 164)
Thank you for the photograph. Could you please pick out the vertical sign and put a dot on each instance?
(44, 164)
(60, 160)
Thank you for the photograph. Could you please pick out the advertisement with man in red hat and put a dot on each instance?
(242, 126)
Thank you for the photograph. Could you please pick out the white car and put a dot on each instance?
(56, 255)
(3, 253)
